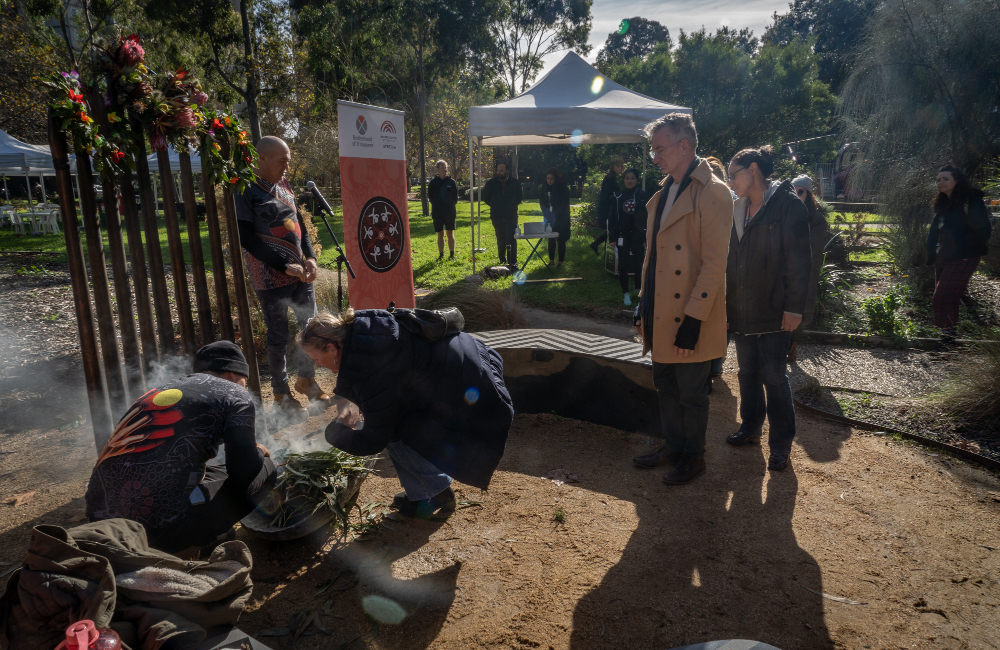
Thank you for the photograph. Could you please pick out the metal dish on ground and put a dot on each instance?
(258, 522)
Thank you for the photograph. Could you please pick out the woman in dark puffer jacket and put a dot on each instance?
(439, 408)
(627, 228)
(959, 236)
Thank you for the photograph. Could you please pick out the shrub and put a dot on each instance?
(881, 312)
(972, 393)
(587, 213)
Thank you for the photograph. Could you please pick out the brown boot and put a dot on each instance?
(318, 399)
(287, 410)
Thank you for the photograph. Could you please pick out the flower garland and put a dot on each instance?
(226, 154)
(72, 112)
(175, 111)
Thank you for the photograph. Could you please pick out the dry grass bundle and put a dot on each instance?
(972, 394)
(483, 309)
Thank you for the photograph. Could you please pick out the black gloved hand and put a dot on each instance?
(688, 333)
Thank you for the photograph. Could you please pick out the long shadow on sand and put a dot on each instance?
(715, 559)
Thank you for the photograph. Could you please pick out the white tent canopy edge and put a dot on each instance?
(572, 104)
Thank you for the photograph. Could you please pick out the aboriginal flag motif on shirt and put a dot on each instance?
(271, 209)
(158, 452)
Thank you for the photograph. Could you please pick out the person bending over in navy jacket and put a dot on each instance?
(436, 404)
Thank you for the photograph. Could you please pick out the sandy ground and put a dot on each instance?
(741, 553)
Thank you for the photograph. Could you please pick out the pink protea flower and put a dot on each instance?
(131, 53)
(185, 118)
(157, 141)
(200, 99)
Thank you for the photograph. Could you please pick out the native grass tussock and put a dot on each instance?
(923, 93)
(972, 393)
(483, 309)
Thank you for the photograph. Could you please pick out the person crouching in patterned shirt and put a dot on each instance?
(154, 469)
(282, 270)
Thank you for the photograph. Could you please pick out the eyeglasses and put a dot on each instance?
(732, 177)
(662, 150)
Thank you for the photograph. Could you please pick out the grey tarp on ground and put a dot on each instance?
(573, 97)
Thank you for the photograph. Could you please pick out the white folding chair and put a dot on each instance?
(16, 222)
(49, 221)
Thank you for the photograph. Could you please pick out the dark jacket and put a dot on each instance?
(444, 196)
(627, 215)
(446, 399)
(608, 188)
(768, 270)
(556, 198)
(963, 231)
(503, 197)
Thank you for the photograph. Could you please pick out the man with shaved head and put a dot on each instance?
(282, 269)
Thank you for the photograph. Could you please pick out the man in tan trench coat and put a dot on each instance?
(682, 306)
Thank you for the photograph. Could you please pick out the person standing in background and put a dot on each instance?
(444, 197)
(767, 280)
(627, 228)
(958, 238)
(553, 198)
(503, 195)
(819, 232)
(609, 186)
(682, 314)
(282, 268)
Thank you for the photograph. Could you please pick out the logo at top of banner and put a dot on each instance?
(361, 124)
(388, 127)
(380, 234)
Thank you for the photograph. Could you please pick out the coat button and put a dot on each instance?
(677, 295)
(678, 246)
(704, 295)
(677, 272)
(677, 320)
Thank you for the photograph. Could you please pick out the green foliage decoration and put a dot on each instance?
(72, 113)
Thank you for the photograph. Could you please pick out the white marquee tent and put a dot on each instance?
(573, 104)
(20, 158)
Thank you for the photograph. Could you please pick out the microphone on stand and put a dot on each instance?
(311, 186)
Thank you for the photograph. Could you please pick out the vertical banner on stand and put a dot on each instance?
(376, 217)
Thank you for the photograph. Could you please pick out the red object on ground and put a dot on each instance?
(84, 635)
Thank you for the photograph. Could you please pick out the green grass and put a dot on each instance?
(598, 294)
(869, 255)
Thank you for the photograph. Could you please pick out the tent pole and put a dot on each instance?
(472, 210)
(27, 184)
(645, 157)
(479, 199)
(6, 193)
(41, 177)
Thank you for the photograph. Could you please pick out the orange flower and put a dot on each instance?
(234, 180)
(228, 122)
(181, 73)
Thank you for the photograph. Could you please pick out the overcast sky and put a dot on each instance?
(689, 15)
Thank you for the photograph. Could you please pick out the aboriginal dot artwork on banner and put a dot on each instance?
(381, 234)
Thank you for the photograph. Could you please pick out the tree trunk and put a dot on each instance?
(252, 91)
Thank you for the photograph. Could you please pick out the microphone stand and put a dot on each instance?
(341, 258)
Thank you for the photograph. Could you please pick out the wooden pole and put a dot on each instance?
(197, 259)
(218, 261)
(182, 299)
(140, 277)
(99, 285)
(240, 285)
(161, 300)
(100, 416)
(119, 267)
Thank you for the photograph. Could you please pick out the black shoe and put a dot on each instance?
(661, 456)
(685, 471)
(742, 437)
(440, 256)
(777, 462)
(444, 501)
(451, 255)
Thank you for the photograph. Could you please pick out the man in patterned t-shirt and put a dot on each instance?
(282, 270)
(154, 469)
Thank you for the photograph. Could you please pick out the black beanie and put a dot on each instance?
(221, 356)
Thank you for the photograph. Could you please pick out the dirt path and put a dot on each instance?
(739, 554)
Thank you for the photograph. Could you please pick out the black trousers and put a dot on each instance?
(630, 258)
(223, 507)
(561, 244)
(506, 244)
(682, 393)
